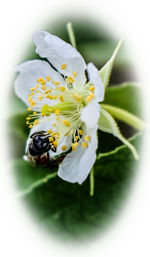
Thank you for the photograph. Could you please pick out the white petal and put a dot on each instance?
(90, 114)
(29, 72)
(94, 77)
(59, 52)
(77, 165)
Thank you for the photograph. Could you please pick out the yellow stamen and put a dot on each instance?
(30, 126)
(69, 80)
(32, 89)
(55, 97)
(49, 131)
(74, 146)
(44, 87)
(34, 113)
(54, 125)
(76, 138)
(77, 97)
(57, 83)
(32, 93)
(74, 73)
(27, 122)
(55, 143)
(37, 91)
(32, 103)
(66, 123)
(62, 89)
(80, 132)
(61, 98)
(57, 112)
(42, 114)
(87, 138)
(37, 86)
(48, 78)
(28, 118)
(28, 109)
(63, 66)
(92, 88)
(64, 147)
(84, 144)
(51, 139)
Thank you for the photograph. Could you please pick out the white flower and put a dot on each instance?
(63, 102)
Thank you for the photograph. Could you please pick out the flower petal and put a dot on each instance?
(59, 52)
(29, 72)
(90, 114)
(94, 77)
(77, 165)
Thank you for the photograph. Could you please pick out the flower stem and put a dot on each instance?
(38, 183)
(124, 116)
(71, 34)
(92, 182)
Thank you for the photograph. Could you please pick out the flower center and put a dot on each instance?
(62, 106)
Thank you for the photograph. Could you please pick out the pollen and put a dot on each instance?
(54, 124)
(27, 122)
(42, 114)
(66, 123)
(61, 98)
(44, 87)
(49, 131)
(63, 66)
(55, 97)
(37, 86)
(51, 139)
(80, 132)
(57, 83)
(77, 97)
(32, 93)
(48, 78)
(92, 88)
(87, 138)
(37, 91)
(64, 147)
(32, 88)
(76, 138)
(84, 144)
(28, 118)
(69, 80)
(57, 112)
(28, 109)
(55, 143)
(74, 73)
(30, 126)
(34, 113)
(32, 103)
(74, 146)
(62, 89)
(36, 122)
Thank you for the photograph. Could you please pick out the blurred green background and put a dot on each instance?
(65, 209)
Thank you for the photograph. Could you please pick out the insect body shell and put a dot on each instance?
(38, 150)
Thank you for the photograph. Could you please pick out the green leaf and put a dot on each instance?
(107, 124)
(67, 210)
(106, 70)
(124, 116)
(126, 96)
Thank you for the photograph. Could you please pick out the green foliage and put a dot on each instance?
(106, 70)
(67, 209)
(126, 96)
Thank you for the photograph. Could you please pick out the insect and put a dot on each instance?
(38, 150)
